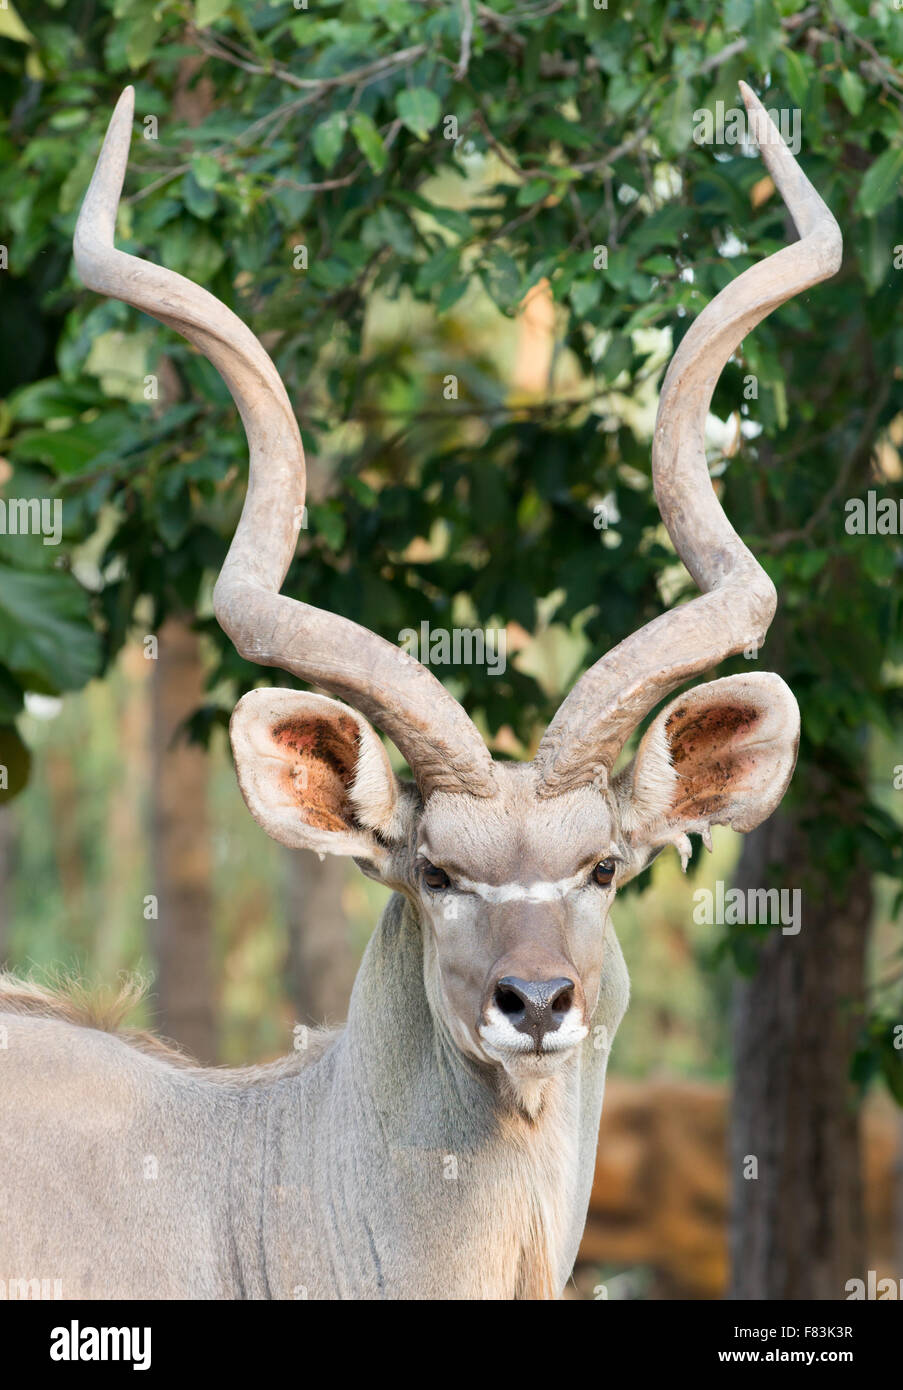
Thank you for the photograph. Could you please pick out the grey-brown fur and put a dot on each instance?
(337, 1180)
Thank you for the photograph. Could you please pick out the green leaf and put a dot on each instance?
(69, 119)
(173, 518)
(418, 109)
(291, 204)
(764, 32)
(200, 202)
(328, 138)
(809, 563)
(532, 191)
(50, 399)
(142, 35)
(501, 278)
(386, 227)
(852, 91)
(658, 265)
(570, 133)
(585, 295)
(876, 249)
(369, 141)
(797, 76)
(878, 560)
(621, 265)
(45, 628)
(11, 26)
(206, 170)
(676, 117)
(437, 269)
(209, 11)
(334, 273)
(451, 293)
(624, 91)
(192, 250)
(618, 357)
(70, 450)
(737, 14)
(644, 315)
(327, 521)
(453, 219)
(881, 182)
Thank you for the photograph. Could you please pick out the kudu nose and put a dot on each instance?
(534, 1007)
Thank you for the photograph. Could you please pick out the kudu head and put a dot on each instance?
(512, 868)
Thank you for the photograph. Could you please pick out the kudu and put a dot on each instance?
(441, 1145)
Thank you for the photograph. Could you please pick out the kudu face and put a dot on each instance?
(511, 868)
(514, 892)
(513, 889)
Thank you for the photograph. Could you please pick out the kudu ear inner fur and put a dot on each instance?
(722, 754)
(314, 774)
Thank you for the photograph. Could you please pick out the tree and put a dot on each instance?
(797, 1226)
(183, 926)
(322, 962)
(438, 158)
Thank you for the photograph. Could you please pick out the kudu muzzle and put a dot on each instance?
(534, 1007)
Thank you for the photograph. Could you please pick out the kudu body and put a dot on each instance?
(442, 1144)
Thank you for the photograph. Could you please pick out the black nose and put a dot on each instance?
(534, 1007)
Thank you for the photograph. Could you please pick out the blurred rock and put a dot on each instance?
(660, 1192)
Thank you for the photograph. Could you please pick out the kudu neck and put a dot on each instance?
(401, 1053)
(397, 1157)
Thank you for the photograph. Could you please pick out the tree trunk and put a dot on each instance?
(66, 826)
(797, 1227)
(322, 960)
(181, 848)
(125, 832)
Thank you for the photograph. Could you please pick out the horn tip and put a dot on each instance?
(124, 111)
(94, 229)
(750, 100)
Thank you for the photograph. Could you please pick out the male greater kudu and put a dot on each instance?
(441, 1145)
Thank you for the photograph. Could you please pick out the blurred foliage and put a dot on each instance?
(432, 158)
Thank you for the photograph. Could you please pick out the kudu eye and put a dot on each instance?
(604, 872)
(435, 878)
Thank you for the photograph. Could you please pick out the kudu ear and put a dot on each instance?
(315, 775)
(721, 754)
